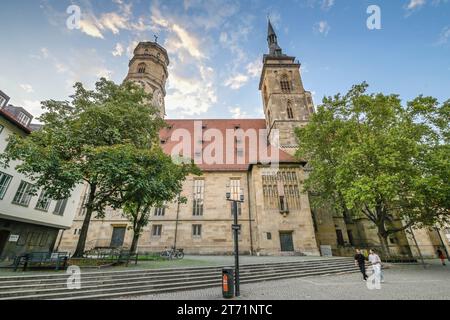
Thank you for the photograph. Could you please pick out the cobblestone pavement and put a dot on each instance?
(402, 283)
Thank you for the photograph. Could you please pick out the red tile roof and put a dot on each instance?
(202, 134)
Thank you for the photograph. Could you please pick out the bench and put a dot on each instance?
(38, 259)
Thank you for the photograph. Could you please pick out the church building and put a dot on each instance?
(255, 158)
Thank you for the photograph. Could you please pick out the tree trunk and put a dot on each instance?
(134, 243)
(79, 251)
(384, 244)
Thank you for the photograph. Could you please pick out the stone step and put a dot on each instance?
(98, 273)
(139, 288)
(20, 288)
(157, 272)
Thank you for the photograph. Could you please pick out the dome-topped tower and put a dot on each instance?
(148, 67)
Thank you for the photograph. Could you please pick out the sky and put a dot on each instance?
(216, 48)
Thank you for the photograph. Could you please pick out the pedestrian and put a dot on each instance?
(360, 261)
(376, 265)
(441, 256)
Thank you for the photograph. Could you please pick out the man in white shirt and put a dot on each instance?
(376, 265)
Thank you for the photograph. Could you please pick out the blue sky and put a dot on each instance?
(216, 48)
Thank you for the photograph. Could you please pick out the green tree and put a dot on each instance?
(370, 156)
(152, 179)
(78, 141)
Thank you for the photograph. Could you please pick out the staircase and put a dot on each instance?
(113, 284)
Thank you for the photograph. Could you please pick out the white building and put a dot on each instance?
(27, 223)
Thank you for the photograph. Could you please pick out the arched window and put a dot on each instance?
(141, 68)
(285, 84)
(290, 112)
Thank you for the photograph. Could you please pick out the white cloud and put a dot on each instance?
(444, 36)
(254, 68)
(236, 81)
(415, 4)
(237, 113)
(327, 4)
(118, 50)
(27, 88)
(33, 107)
(322, 27)
(193, 95)
(113, 21)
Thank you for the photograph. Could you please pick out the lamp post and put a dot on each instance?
(236, 227)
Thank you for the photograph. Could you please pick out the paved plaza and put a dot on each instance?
(403, 282)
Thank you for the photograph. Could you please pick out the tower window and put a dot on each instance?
(285, 84)
(141, 68)
(290, 112)
(266, 97)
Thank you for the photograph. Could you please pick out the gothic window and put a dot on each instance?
(266, 97)
(290, 112)
(235, 186)
(199, 190)
(141, 68)
(281, 190)
(285, 84)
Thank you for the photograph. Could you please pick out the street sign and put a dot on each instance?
(13, 238)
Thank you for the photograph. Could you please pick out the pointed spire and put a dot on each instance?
(274, 48)
(270, 31)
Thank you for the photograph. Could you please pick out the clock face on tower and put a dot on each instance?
(158, 99)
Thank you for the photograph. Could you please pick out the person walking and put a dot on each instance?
(441, 256)
(360, 261)
(376, 265)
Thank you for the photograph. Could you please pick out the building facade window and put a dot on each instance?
(141, 68)
(285, 84)
(281, 190)
(235, 188)
(157, 230)
(60, 207)
(43, 202)
(290, 112)
(23, 194)
(24, 119)
(340, 237)
(197, 230)
(199, 194)
(5, 179)
(160, 212)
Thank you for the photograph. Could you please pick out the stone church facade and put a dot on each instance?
(276, 217)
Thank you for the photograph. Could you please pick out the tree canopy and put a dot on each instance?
(373, 157)
(79, 140)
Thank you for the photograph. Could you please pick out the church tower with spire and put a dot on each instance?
(148, 67)
(287, 105)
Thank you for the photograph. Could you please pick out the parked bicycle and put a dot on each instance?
(172, 253)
